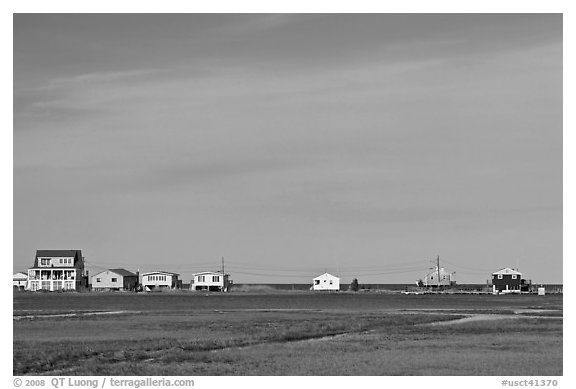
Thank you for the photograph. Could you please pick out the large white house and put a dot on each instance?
(326, 281)
(57, 270)
(114, 279)
(214, 281)
(20, 280)
(155, 280)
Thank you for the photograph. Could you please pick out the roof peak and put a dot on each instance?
(507, 270)
(159, 271)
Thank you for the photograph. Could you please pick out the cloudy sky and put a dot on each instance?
(290, 145)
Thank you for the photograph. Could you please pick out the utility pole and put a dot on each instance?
(438, 270)
(223, 277)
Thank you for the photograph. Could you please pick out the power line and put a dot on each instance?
(274, 270)
(465, 267)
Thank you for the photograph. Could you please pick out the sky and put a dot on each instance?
(364, 145)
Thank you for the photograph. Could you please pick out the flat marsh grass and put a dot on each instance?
(125, 334)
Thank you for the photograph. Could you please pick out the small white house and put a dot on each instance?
(326, 282)
(114, 279)
(439, 277)
(19, 280)
(214, 281)
(156, 280)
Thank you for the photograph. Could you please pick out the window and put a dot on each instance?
(316, 282)
(499, 276)
(200, 278)
(60, 260)
(98, 280)
(45, 261)
(215, 278)
(330, 282)
(513, 276)
(114, 279)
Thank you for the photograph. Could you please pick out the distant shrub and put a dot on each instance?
(354, 285)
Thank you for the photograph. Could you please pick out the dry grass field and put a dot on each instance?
(286, 334)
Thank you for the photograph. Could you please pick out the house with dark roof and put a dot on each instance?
(57, 270)
(114, 279)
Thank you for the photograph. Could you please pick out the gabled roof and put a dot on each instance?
(20, 276)
(442, 272)
(123, 272)
(326, 275)
(160, 272)
(202, 273)
(507, 270)
(120, 272)
(76, 254)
